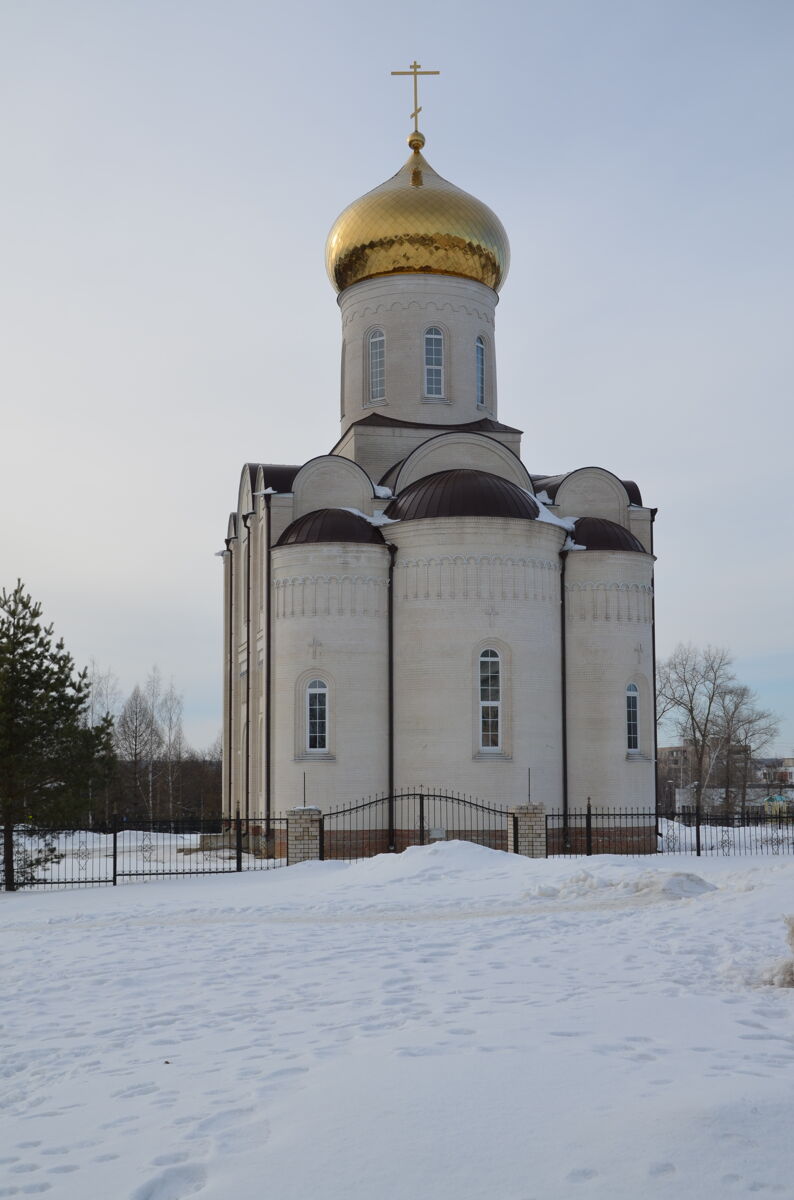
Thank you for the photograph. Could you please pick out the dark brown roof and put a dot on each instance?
(378, 420)
(277, 476)
(484, 425)
(330, 525)
(596, 533)
(550, 484)
(462, 493)
(390, 476)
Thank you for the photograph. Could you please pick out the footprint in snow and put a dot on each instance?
(233, 1132)
(175, 1183)
(285, 1072)
(662, 1168)
(132, 1093)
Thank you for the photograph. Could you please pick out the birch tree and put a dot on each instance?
(173, 742)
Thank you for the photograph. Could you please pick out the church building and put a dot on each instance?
(417, 607)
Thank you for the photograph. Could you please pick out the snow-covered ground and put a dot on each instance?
(452, 1022)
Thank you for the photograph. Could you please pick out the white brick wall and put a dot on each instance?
(609, 644)
(498, 584)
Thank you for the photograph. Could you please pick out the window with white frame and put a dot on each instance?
(632, 717)
(316, 715)
(434, 362)
(479, 352)
(376, 365)
(490, 700)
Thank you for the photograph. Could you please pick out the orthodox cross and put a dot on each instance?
(314, 646)
(490, 614)
(638, 651)
(416, 71)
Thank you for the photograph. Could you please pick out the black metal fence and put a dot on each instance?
(87, 856)
(750, 834)
(392, 823)
(84, 855)
(591, 831)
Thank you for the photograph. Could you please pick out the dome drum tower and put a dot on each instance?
(418, 348)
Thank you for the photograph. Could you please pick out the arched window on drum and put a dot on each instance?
(434, 363)
(479, 368)
(632, 718)
(376, 366)
(316, 715)
(490, 689)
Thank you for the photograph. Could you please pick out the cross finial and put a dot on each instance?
(416, 70)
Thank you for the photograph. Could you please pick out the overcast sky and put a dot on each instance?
(168, 175)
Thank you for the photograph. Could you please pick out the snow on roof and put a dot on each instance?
(375, 519)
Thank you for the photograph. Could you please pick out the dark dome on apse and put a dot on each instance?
(596, 533)
(462, 493)
(330, 525)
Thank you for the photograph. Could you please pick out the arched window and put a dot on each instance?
(479, 351)
(434, 362)
(376, 365)
(316, 715)
(632, 717)
(490, 701)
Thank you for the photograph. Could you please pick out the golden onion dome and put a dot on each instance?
(417, 221)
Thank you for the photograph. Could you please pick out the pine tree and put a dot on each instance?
(48, 752)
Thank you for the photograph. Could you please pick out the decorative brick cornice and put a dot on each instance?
(594, 600)
(477, 577)
(369, 311)
(330, 596)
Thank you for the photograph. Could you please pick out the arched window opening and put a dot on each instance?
(479, 348)
(490, 701)
(434, 362)
(316, 715)
(376, 359)
(632, 717)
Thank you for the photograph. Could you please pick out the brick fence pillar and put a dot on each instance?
(303, 835)
(528, 822)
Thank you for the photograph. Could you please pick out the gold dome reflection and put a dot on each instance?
(417, 221)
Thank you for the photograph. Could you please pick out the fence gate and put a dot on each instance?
(392, 823)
